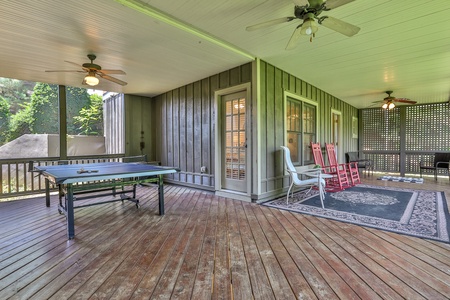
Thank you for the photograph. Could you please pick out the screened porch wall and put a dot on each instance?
(273, 83)
(184, 124)
(398, 139)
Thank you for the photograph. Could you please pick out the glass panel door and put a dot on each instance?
(234, 142)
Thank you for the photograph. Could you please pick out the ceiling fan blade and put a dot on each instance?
(269, 23)
(301, 2)
(119, 72)
(339, 26)
(115, 80)
(78, 71)
(75, 64)
(404, 100)
(294, 38)
(330, 4)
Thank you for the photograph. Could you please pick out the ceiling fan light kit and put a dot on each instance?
(309, 26)
(308, 11)
(388, 105)
(91, 80)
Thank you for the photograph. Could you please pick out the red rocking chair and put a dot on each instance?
(339, 180)
(352, 167)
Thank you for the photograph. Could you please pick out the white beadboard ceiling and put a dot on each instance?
(403, 46)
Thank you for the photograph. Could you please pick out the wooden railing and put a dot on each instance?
(389, 161)
(17, 180)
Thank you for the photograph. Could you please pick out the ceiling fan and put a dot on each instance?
(388, 102)
(309, 11)
(94, 70)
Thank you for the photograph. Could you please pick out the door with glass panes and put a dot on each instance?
(234, 142)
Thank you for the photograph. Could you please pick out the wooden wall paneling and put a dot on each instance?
(134, 124)
(224, 80)
(285, 81)
(263, 124)
(214, 82)
(298, 86)
(270, 119)
(293, 84)
(279, 126)
(303, 89)
(183, 133)
(189, 133)
(176, 130)
(147, 128)
(234, 76)
(168, 135)
(206, 131)
(246, 73)
(197, 131)
(158, 113)
(313, 95)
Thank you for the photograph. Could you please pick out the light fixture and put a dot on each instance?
(388, 105)
(90, 79)
(309, 27)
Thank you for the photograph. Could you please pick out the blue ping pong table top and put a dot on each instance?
(100, 171)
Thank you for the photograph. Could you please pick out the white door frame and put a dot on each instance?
(340, 154)
(218, 137)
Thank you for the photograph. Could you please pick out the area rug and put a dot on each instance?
(417, 213)
(401, 179)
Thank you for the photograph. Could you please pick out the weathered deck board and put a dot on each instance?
(209, 247)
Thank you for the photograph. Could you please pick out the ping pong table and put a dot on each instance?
(78, 179)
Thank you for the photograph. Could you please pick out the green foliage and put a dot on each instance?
(45, 111)
(77, 99)
(44, 108)
(4, 119)
(16, 92)
(90, 120)
(20, 123)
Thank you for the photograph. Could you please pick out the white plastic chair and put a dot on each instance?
(315, 180)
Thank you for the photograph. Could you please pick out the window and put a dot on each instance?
(301, 129)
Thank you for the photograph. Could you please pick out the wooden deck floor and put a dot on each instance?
(210, 247)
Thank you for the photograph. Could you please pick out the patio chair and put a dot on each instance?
(316, 179)
(352, 167)
(365, 164)
(339, 179)
(441, 162)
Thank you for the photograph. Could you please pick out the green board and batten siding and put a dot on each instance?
(185, 118)
(183, 125)
(273, 83)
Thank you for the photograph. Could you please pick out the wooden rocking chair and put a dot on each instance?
(351, 167)
(339, 180)
(316, 180)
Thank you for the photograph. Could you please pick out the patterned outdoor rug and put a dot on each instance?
(413, 212)
(401, 179)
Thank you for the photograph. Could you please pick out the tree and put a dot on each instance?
(44, 108)
(20, 123)
(45, 112)
(90, 120)
(4, 120)
(16, 92)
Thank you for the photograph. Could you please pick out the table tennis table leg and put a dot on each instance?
(47, 192)
(70, 215)
(161, 195)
